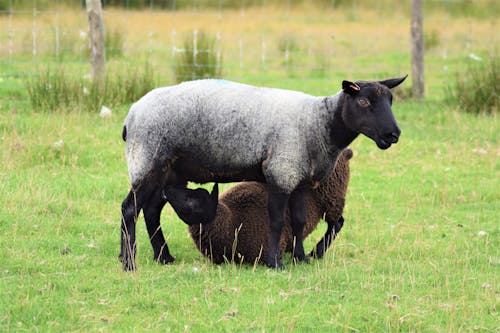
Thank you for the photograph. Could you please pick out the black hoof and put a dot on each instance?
(278, 266)
(302, 259)
(316, 254)
(164, 259)
(128, 265)
(275, 264)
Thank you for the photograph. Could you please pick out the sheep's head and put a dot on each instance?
(367, 110)
(193, 206)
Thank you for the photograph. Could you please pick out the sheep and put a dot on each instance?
(239, 230)
(196, 205)
(221, 131)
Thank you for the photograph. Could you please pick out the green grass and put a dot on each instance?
(408, 259)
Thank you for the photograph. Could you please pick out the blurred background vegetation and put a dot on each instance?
(484, 8)
(291, 44)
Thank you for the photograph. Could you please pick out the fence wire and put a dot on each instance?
(250, 38)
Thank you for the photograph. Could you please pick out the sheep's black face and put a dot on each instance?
(193, 206)
(367, 110)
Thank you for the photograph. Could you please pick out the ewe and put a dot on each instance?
(221, 131)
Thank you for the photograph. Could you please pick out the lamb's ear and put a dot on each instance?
(391, 83)
(350, 88)
(215, 192)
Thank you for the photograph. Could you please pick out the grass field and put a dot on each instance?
(419, 252)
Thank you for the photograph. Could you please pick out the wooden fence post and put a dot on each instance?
(96, 34)
(417, 49)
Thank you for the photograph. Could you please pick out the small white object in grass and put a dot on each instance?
(85, 91)
(87, 76)
(59, 144)
(475, 57)
(195, 269)
(480, 151)
(105, 112)
(83, 34)
(494, 261)
(482, 233)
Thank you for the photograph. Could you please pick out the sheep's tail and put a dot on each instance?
(348, 153)
(124, 133)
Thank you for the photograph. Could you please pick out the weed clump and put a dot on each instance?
(476, 90)
(54, 90)
(199, 59)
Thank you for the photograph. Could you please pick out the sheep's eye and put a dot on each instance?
(363, 102)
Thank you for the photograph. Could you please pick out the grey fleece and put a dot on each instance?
(227, 126)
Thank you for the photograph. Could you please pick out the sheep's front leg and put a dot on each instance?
(298, 210)
(330, 234)
(276, 207)
(152, 212)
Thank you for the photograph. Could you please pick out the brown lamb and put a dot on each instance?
(240, 229)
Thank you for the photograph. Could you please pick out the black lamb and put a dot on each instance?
(240, 228)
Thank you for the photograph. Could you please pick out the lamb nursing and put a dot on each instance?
(221, 131)
(240, 230)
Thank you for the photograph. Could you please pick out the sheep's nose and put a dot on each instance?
(395, 136)
(392, 137)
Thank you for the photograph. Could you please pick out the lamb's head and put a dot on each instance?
(193, 206)
(367, 109)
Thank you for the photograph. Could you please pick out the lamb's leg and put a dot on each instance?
(152, 212)
(298, 210)
(276, 207)
(330, 234)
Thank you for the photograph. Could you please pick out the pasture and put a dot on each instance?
(419, 250)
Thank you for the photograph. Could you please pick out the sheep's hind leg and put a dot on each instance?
(131, 207)
(298, 209)
(276, 207)
(152, 212)
(327, 240)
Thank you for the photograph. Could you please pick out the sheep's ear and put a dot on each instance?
(215, 192)
(391, 83)
(350, 88)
